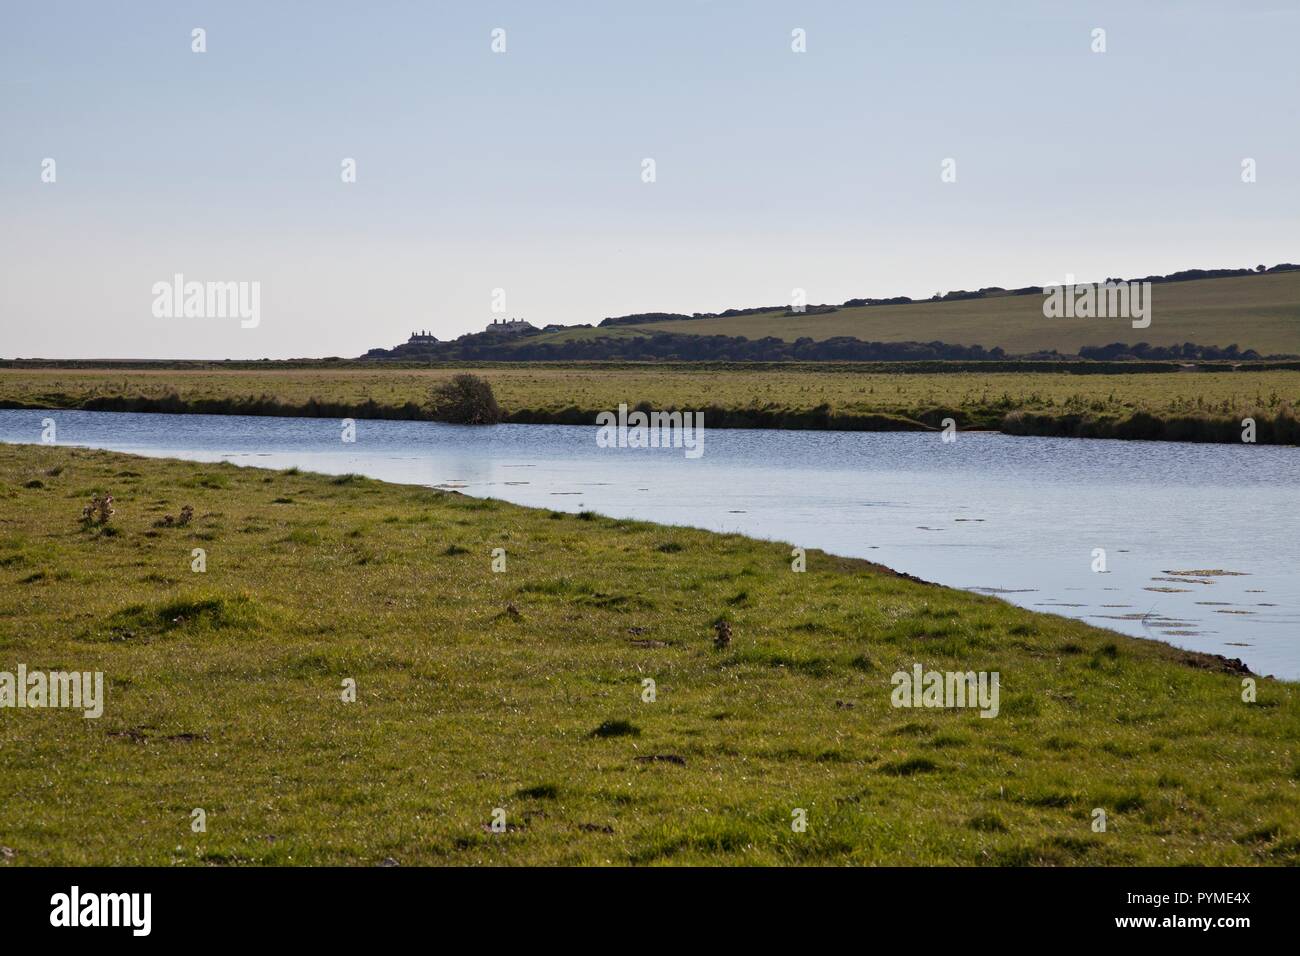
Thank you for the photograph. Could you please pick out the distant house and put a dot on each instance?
(510, 326)
(421, 338)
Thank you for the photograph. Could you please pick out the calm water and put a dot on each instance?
(1019, 517)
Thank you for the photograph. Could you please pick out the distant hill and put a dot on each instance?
(1207, 314)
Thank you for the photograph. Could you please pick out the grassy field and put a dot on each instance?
(1259, 312)
(523, 690)
(1212, 403)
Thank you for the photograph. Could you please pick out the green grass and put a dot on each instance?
(1254, 312)
(523, 690)
(1187, 405)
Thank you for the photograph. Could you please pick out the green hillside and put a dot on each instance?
(1260, 312)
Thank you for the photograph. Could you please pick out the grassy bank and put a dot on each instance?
(1188, 406)
(522, 690)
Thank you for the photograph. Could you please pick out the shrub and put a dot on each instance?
(466, 400)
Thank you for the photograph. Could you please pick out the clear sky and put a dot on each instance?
(522, 170)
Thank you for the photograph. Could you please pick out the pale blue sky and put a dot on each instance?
(522, 171)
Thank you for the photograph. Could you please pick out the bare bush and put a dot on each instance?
(466, 400)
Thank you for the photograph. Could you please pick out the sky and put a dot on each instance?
(523, 170)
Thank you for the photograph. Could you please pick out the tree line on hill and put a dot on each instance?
(659, 345)
(678, 347)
